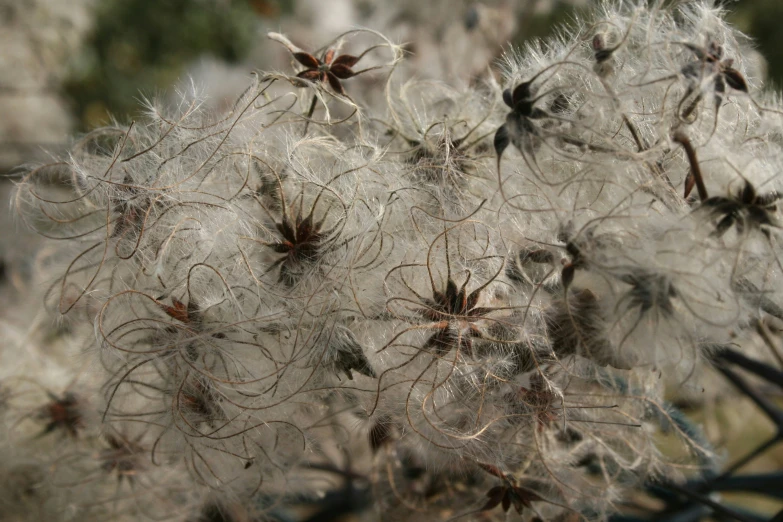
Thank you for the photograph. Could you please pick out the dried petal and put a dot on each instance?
(310, 75)
(501, 142)
(748, 194)
(506, 499)
(507, 98)
(308, 60)
(343, 72)
(495, 495)
(442, 341)
(286, 229)
(334, 82)
(471, 301)
(63, 412)
(492, 470)
(567, 275)
(452, 296)
(304, 229)
(179, 311)
(346, 60)
(523, 498)
(735, 79)
(521, 94)
(350, 355)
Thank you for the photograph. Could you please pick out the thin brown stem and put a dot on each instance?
(682, 139)
(310, 114)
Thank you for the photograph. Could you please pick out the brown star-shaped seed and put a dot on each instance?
(329, 69)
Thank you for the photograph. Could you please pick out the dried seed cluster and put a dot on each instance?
(310, 293)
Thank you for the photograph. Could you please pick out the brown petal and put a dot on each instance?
(735, 79)
(453, 301)
(525, 497)
(521, 94)
(304, 228)
(471, 301)
(567, 275)
(282, 248)
(341, 71)
(479, 312)
(334, 82)
(506, 499)
(179, 311)
(329, 56)
(310, 74)
(192, 310)
(441, 342)
(495, 496)
(492, 470)
(501, 142)
(308, 60)
(507, 99)
(346, 60)
(286, 229)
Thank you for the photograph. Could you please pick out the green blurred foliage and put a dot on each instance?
(541, 24)
(762, 20)
(140, 47)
